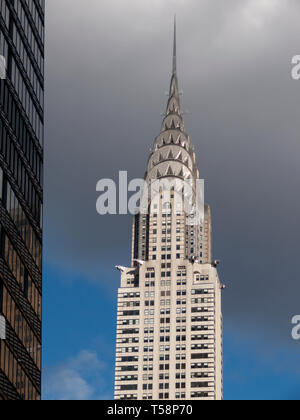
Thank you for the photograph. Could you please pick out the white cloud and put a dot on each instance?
(79, 378)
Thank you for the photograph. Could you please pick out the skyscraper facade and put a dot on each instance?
(21, 196)
(169, 325)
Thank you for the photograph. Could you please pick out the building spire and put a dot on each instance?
(175, 48)
(174, 106)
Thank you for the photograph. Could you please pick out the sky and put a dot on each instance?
(108, 66)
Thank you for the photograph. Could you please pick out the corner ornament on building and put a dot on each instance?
(2, 328)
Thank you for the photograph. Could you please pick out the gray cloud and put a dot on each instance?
(108, 66)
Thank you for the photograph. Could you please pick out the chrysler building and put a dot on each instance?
(169, 326)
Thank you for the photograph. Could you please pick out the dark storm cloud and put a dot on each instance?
(108, 66)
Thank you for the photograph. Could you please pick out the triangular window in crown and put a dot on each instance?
(172, 107)
(170, 171)
(170, 155)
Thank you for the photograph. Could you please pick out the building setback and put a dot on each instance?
(21, 195)
(169, 325)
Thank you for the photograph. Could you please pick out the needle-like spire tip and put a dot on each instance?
(175, 49)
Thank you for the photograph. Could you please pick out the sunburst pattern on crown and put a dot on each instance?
(173, 154)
